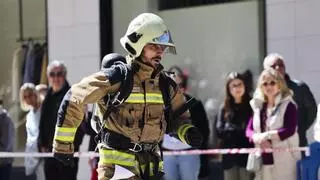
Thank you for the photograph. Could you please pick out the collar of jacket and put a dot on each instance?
(287, 77)
(145, 71)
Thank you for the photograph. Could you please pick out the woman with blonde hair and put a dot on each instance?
(30, 101)
(274, 125)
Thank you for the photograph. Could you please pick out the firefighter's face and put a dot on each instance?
(56, 78)
(152, 54)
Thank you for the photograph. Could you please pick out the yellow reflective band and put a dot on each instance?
(66, 129)
(182, 131)
(135, 98)
(154, 98)
(150, 98)
(117, 157)
(161, 165)
(114, 160)
(143, 167)
(65, 134)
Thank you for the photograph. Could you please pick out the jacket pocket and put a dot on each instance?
(155, 111)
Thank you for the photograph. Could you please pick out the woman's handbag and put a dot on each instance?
(254, 162)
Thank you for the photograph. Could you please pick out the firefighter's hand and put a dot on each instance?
(116, 73)
(194, 137)
(65, 159)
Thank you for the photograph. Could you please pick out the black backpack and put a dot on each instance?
(112, 101)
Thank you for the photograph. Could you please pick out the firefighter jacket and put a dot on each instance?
(140, 117)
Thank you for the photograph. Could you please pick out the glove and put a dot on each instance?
(194, 137)
(111, 59)
(65, 159)
(116, 73)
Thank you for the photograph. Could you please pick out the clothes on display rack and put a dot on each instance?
(29, 64)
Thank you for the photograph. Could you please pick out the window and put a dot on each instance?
(175, 4)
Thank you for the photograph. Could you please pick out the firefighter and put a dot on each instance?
(130, 135)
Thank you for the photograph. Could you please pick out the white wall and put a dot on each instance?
(123, 12)
(211, 40)
(74, 36)
(293, 29)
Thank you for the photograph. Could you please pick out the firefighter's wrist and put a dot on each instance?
(63, 147)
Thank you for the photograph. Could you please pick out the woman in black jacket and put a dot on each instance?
(232, 120)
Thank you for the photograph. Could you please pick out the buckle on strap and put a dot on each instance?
(116, 101)
(136, 148)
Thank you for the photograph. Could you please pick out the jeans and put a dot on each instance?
(185, 167)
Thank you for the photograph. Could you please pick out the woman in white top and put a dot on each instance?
(30, 101)
(274, 125)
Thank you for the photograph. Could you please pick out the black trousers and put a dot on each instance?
(55, 170)
(5, 171)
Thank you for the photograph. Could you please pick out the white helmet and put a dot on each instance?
(146, 28)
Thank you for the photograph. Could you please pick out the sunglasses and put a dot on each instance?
(236, 85)
(56, 74)
(280, 65)
(271, 83)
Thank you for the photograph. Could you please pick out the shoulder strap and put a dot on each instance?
(164, 84)
(124, 90)
(113, 101)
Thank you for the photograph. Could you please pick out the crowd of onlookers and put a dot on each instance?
(276, 114)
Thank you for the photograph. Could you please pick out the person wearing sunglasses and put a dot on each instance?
(58, 87)
(274, 125)
(307, 107)
(232, 121)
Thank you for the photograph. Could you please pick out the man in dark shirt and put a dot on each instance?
(58, 87)
(307, 107)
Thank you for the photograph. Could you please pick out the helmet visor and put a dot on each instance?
(166, 40)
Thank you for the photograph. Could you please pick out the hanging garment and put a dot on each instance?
(29, 65)
(43, 76)
(17, 64)
(32, 69)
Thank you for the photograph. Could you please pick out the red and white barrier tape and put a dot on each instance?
(166, 153)
(234, 151)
